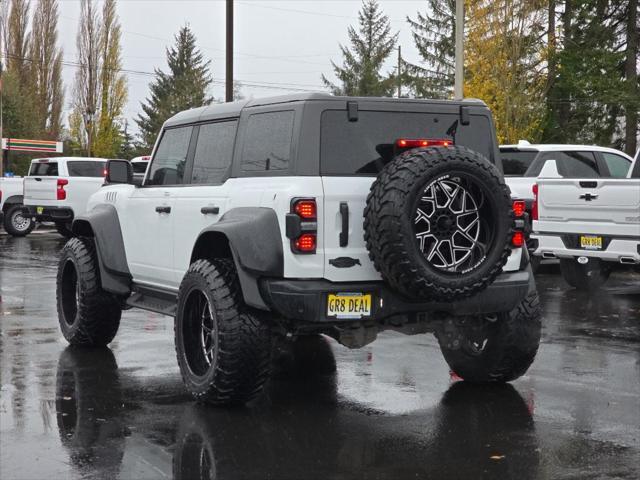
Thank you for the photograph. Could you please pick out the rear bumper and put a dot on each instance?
(49, 214)
(621, 250)
(305, 301)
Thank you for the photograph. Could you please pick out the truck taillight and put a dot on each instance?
(422, 142)
(61, 194)
(534, 209)
(517, 239)
(519, 208)
(302, 225)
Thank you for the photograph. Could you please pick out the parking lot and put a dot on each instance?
(391, 410)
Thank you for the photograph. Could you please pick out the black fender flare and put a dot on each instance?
(255, 241)
(12, 200)
(103, 225)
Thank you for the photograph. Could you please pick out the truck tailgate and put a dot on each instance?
(40, 188)
(601, 206)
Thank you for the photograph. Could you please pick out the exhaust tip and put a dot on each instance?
(628, 260)
(548, 255)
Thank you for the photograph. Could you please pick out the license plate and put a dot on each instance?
(591, 242)
(39, 210)
(348, 305)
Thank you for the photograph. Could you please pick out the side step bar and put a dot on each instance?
(153, 299)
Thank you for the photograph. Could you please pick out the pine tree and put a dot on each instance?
(371, 46)
(632, 101)
(433, 33)
(183, 87)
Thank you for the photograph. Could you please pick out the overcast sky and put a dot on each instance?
(286, 43)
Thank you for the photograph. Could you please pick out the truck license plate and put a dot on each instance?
(591, 242)
(348, 305)
(39, 210)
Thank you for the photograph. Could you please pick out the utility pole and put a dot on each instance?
(229, 53)
(459, 75)
(399, 72)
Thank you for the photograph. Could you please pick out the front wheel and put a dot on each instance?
(88, 315)
(223, 346)
(16, 224)
(500, 348)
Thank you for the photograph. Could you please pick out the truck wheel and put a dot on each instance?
(87, 314)
(15, 223)
(588, 277)
(501, 349)
(64, 229)
(438, 223)
(223, 346)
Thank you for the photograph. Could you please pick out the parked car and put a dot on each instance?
(57, 189)
(11, 215)
(591, 224)
(304, 215)
(140, 165)
(522, 164)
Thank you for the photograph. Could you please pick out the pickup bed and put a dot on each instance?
(591, 224)
(57, 189)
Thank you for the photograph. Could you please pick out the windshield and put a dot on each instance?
(516, 162)
(363, 147)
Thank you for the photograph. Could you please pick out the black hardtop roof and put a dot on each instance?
(233, 109)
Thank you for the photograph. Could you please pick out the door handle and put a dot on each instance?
(38, 179)
(344, 234)
(163, 209)
(210, 210)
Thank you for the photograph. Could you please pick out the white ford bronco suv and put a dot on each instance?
(305, 215)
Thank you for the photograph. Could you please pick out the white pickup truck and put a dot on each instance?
(591, 224)
(11, 198)
(57, 189)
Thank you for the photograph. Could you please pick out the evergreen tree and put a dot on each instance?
(371, 46)
(434, 36)
(184, 86)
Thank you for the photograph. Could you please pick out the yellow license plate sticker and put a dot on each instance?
(39, 210)
(348, 305)
(591, 242)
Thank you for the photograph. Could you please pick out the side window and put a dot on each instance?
(576, 164)
(618, 166)
(636, 168)
(268, 142)
(214, 151)
(167, 166)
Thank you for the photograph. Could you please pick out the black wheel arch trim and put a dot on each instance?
(11, 201)
(255, 241)
(103, 224)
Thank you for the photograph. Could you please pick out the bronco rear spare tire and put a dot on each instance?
(438, 223)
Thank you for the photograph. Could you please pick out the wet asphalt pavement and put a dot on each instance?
(390, 411)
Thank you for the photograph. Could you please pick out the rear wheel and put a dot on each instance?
(223, 346)
(499, 348)
(17, 224)
(64, 229)
(587, 277)
(87, 314)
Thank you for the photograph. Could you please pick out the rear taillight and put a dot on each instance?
(61, 194)
(302, 225)
(519, 208)
(534, 209)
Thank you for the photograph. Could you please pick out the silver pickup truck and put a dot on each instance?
(591, 224)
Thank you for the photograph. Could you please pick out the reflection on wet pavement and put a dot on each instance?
(389, 410)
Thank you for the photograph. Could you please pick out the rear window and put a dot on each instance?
(516, 162)
(86, 169)
(49, 169)
(139, 167)
(363, 147)
(570, 164)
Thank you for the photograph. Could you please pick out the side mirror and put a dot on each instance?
(119, 171)
(549, 170)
